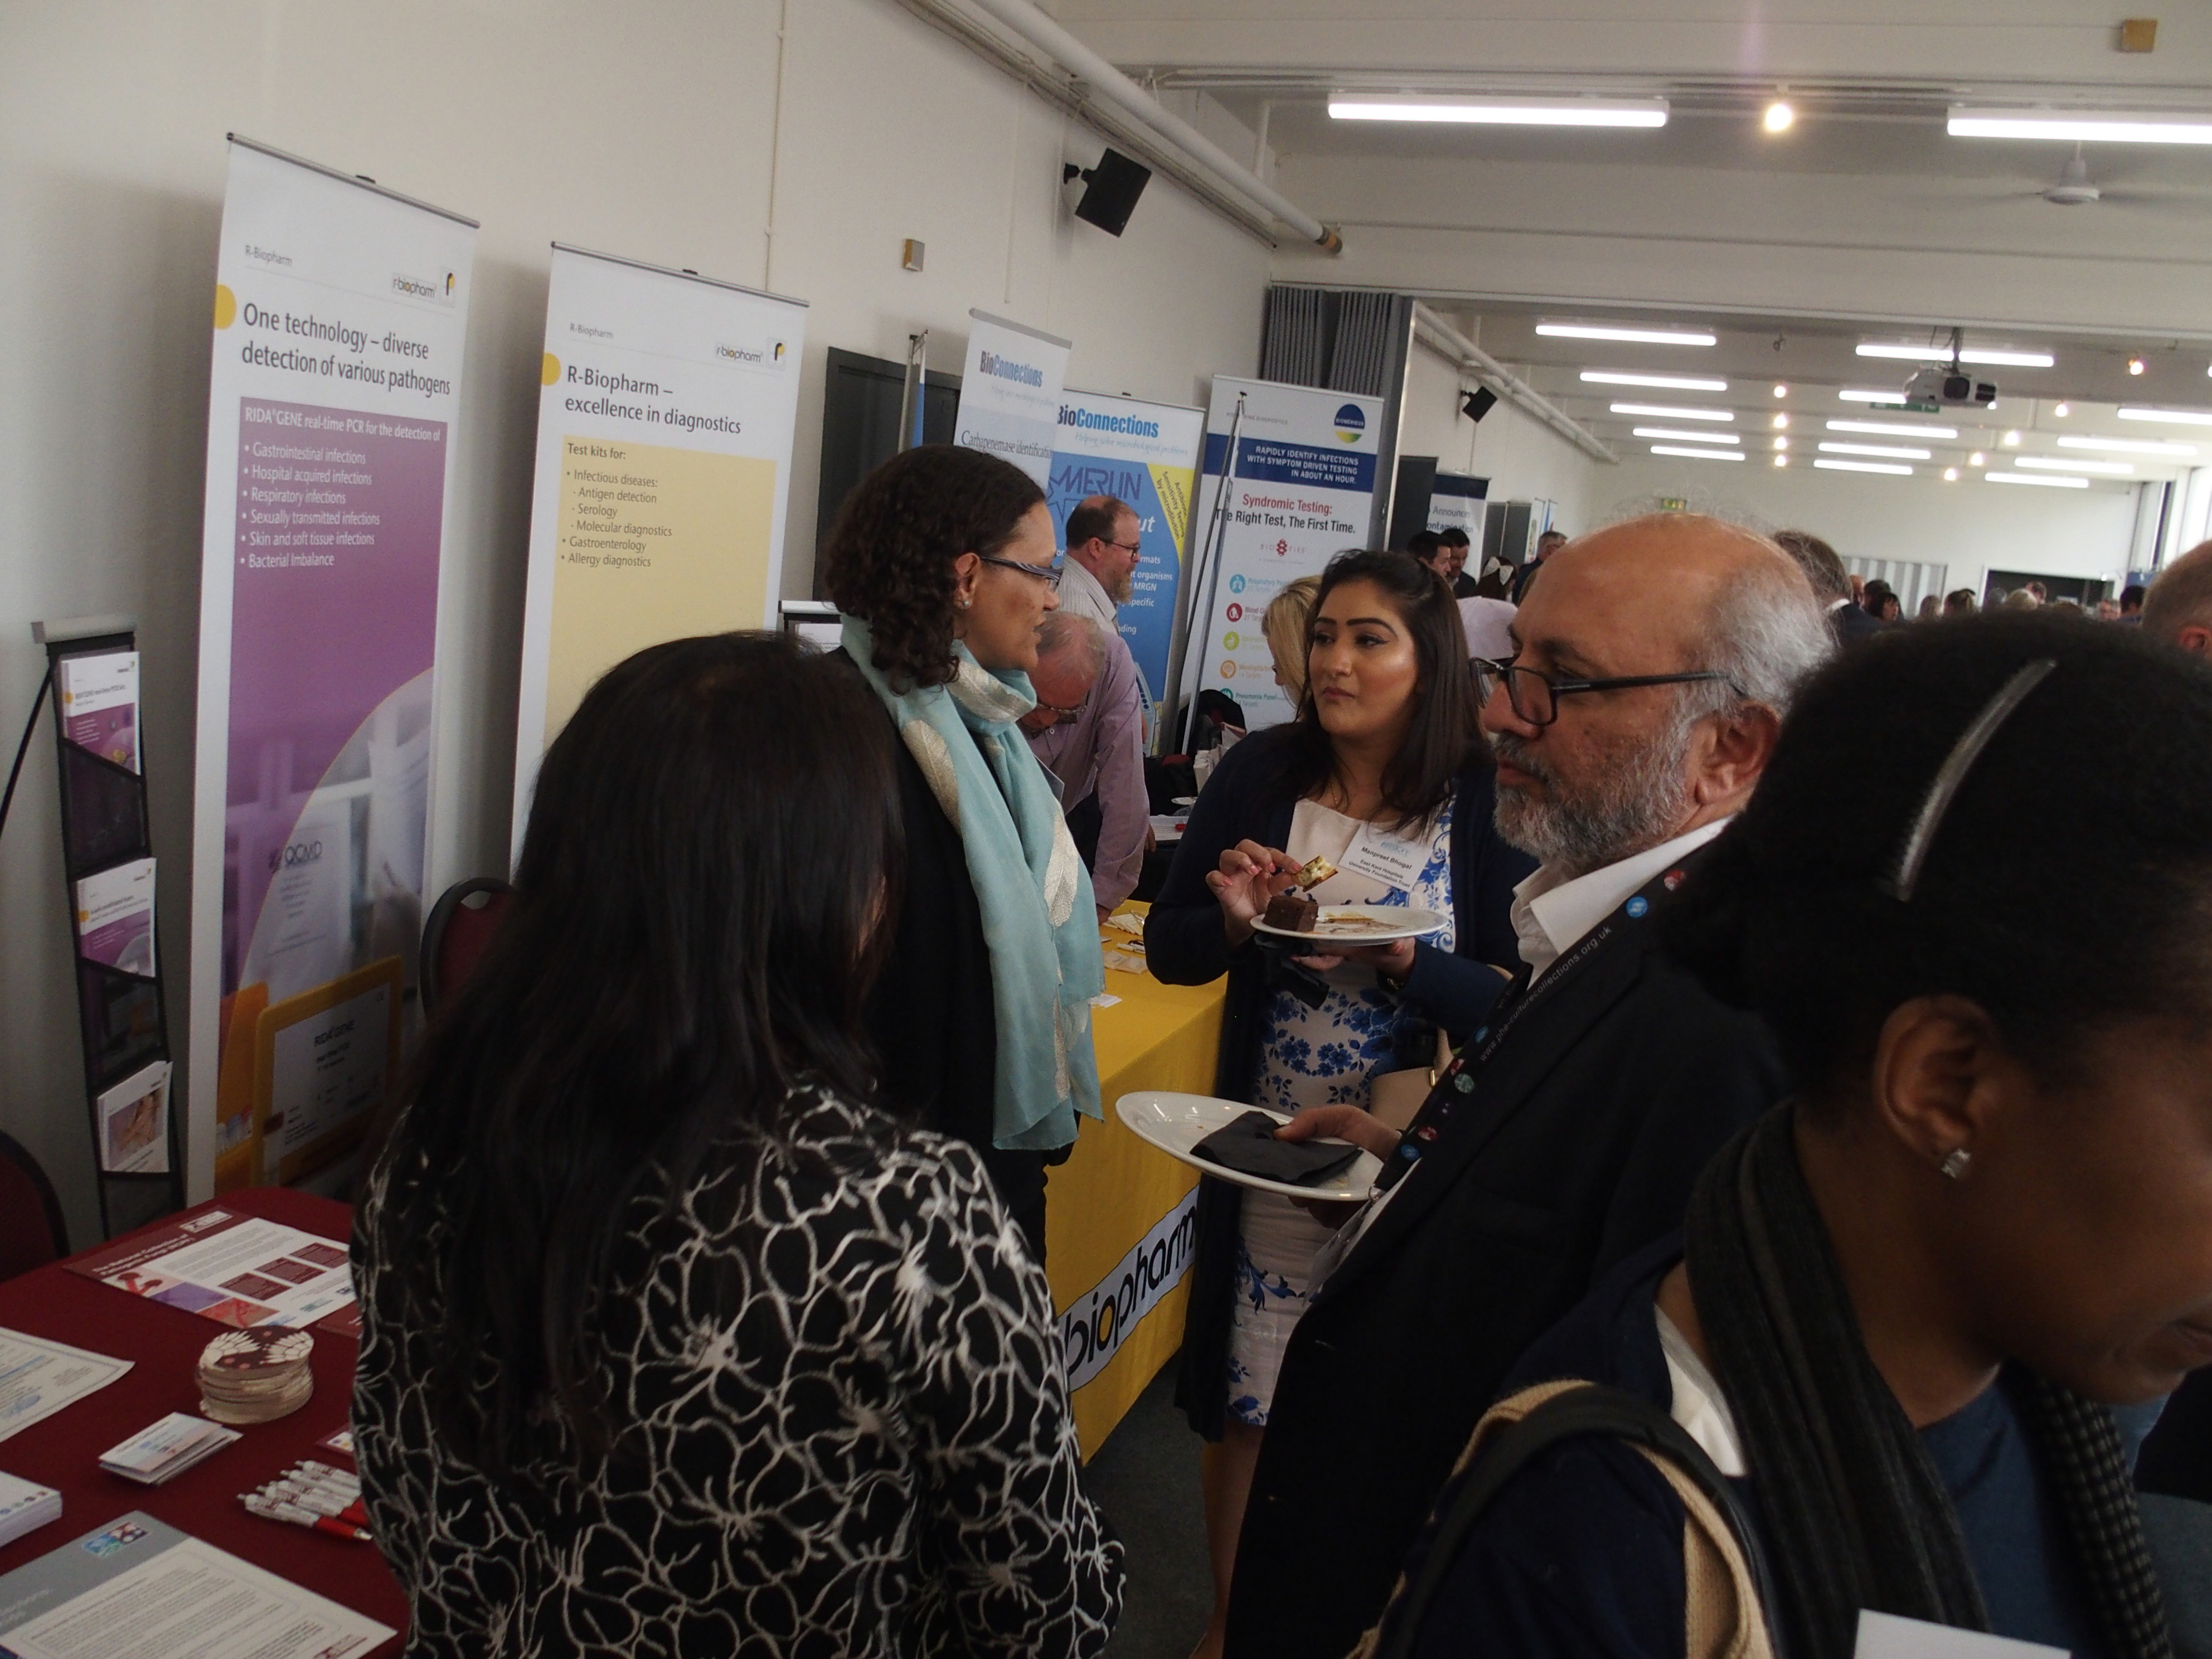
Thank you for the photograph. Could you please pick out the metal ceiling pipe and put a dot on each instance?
(1434, 331)
(1109, 84)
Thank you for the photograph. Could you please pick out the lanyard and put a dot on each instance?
(1455, 1089)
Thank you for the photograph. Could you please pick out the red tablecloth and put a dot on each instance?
(165, 1343)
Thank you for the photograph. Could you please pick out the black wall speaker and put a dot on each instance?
(1110, 190)
(1479, 401)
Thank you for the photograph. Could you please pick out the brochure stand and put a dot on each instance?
(110, 880)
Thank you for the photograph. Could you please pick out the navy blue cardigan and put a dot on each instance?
(1245, 799)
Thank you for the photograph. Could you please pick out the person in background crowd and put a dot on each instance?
(1858, 589)
(1087, 732)
(1960, 602)
(2177, 610)
(1931, 606)
(1883, 603)
(1286, 623)
(2020, 598)
(1546, 544)
(1104, 544)
(2108, 611)
(643, 1366)
(1987, 1208)
(2067, 608)
(2041, 593)
(2131, 603)
(1656, 659)
(1458, 547)
(1383, 772)
(942, 561)
(1831, 584)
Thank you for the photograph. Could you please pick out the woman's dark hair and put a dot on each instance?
(2058, 896)
(889, 558)
(1444, 735)
(709, 862)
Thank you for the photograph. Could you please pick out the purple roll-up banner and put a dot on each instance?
(340, 316)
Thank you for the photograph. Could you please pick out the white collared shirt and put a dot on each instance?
(1550, 915)
(1084, 594)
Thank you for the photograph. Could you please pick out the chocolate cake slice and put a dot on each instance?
(1293, 912)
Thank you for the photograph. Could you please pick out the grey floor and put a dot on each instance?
(1146, 1477)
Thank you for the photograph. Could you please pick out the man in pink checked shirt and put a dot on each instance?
(1088, 731)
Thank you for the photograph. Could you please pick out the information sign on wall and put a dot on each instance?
(340, 312)
(1301, 489)
(663, 465)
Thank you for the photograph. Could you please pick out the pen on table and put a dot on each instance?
(273, 1510)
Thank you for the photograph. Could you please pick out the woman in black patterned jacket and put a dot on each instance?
(672, 1344)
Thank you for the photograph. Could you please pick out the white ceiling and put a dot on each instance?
(1814, 361)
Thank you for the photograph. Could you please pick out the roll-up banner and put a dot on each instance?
(1144, 454)
(1010, 393)
(1300, 490)
(340, 310)
(1457, 501)
(665, 429)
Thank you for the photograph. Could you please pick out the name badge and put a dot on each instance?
(1380, 856)
(1886, 1636)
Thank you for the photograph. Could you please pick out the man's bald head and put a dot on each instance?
(1070, 655)
(2177, 610)
(1615, 769)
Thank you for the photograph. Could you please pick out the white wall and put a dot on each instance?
(1523, 459)
(1970, 526)
(651, 130)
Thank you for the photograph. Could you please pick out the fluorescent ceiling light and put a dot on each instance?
(1673, 413)
(1664, 382)
(2065, 464)
(2128, 445)
(1668, 433)
(1871, 395)
(1935, 354)
(1893, 429)
(2169, 417)
(2082, 126)
(1699, 455)
(2044, 479)
(1867, 466)
(1502, 112)
(1885, 450)
(1688, 337)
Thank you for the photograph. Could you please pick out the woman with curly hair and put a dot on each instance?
(942, 561)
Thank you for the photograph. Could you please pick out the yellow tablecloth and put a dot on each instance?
(1118, 1228)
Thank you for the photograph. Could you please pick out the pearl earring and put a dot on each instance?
(1956, 1162)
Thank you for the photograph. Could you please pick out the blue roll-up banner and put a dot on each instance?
(1144, 454)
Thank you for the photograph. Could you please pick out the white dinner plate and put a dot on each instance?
(1175, 1123)
(1363, 924)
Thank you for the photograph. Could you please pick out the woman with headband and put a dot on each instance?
(1889, 1369)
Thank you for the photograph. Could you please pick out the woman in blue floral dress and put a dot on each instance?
(1384, 774)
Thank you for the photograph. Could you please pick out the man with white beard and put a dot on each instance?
(1653, 666)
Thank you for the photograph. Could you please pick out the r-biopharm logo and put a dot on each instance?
(1005, 368)
(438, 290)
(1094, 1326)
(1350, 424)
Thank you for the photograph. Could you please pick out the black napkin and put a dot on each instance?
(1248, 1147)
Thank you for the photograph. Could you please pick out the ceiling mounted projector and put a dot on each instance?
(1947, 385)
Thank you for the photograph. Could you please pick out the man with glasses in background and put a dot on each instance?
(1087, 731)
(1652, 668)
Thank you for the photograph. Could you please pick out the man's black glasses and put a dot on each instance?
(1535, 696)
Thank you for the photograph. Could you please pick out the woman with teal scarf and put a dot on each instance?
(941, 561)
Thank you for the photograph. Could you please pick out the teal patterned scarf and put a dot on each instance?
(1039, 921)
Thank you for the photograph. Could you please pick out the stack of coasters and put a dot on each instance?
(255, 1375)
(165, 1450)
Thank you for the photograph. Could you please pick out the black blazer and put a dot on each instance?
(1184, 946)
(1586, 1127)
(1853, 621)
(931, 1017)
